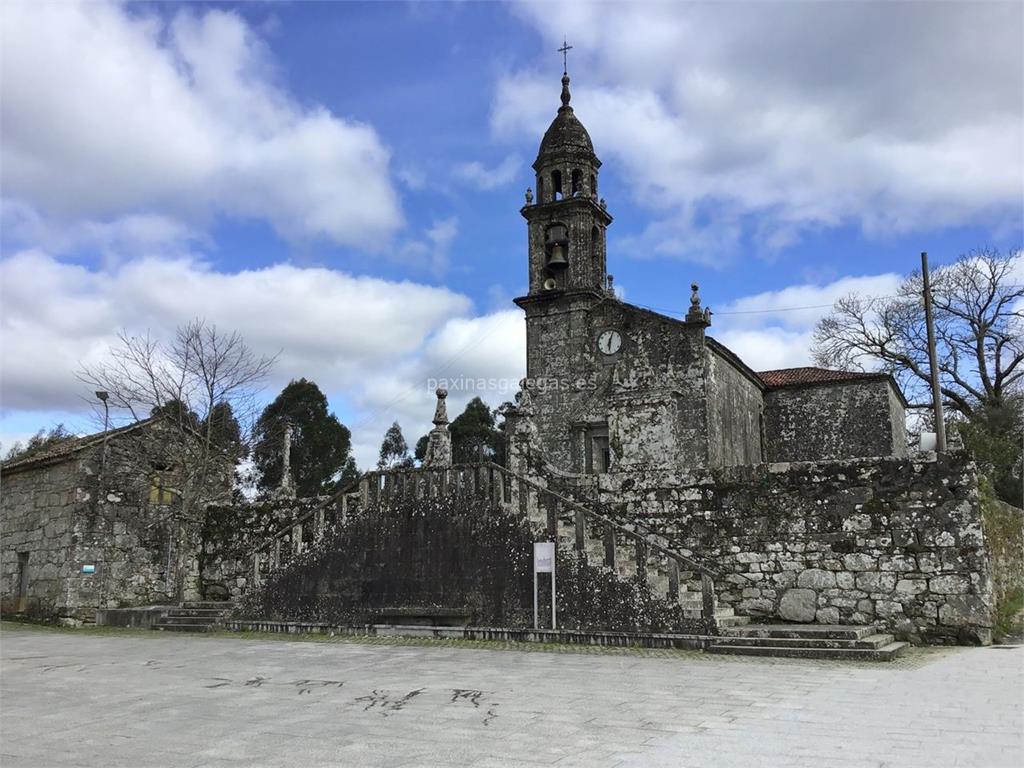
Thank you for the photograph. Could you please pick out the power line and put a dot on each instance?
(787, 309)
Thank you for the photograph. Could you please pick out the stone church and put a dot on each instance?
(685, 492)
(619, 388)
(689, 497)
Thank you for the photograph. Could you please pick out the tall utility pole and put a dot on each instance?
(940, 424)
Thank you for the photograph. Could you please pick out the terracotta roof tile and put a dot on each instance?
(67, 448)
(790, 377)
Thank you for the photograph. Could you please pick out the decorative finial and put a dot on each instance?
(441, 411)
(696, 314)
(439, 441)
(603, 204)
(529, 196)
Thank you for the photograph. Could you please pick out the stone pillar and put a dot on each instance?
(285, 488)
(521, 440)
(439, 442)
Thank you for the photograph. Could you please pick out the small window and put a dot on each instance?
(577, 180)
(593, 185)
(599, 454)
(556, 185)
(158, 493)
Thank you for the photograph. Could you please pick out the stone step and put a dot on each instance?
(174, 619)
(221, 605)
(174, 627)
(885, 653)
(214, 612)
(811, 631)
(871, 642)
(729, 622)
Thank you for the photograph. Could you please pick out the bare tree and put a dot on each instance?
(979, 328)
(187, 389)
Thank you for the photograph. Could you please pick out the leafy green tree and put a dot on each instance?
(474, 434)
(349, 474)
(178, 413)
(40, 442)
(225, 431)
(421, 448)
(320, 443)
(394, 451)
(993, 434)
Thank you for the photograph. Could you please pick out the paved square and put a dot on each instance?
(147, 699)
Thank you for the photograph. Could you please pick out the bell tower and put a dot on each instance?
(566, 219)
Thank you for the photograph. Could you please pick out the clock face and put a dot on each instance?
(609, 342)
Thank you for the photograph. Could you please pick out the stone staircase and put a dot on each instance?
(579, 526)
(808, 641)
(589, 531)
(199, 616)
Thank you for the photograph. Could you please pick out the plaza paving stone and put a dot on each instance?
(149, 699)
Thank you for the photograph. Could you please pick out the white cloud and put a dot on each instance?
(370, 344)
(481, 356)
(891, 116)
(476, 174)
(110, 111)
(117, 239)
(434, 249)
(774, 329)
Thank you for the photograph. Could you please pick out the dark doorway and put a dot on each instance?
(22, 581)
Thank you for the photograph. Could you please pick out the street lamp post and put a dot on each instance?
(103, 396)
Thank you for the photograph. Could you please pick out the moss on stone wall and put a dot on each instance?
(1004, 537)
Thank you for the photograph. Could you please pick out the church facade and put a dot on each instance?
(795, 485)
(617, 387)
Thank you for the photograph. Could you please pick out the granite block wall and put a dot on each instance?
(835, 421)
(897, 542)
(36, 510)
(231, 533)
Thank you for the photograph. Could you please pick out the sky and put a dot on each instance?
(340, 182)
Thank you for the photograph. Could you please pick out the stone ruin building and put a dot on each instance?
(95, 522)
(686, 492)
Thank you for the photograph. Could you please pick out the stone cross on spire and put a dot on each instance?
(564, 50)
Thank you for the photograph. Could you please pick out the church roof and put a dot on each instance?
(566, 133)
(792, 377)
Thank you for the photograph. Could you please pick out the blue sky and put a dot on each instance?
(341, 181)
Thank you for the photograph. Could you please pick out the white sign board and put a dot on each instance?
(544, 562)
(543, 557)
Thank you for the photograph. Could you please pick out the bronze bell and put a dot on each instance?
(557, 261)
